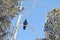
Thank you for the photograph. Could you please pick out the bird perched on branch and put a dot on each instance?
(25, 23)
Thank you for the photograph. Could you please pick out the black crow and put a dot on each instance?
(25, 24)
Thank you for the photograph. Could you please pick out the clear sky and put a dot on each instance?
(36, 18)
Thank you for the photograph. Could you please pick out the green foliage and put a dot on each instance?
(8, 10)
(8, 7)
(52, 25)
(36, 38)
(42, 39)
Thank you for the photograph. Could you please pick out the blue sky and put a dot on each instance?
(36, 18)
